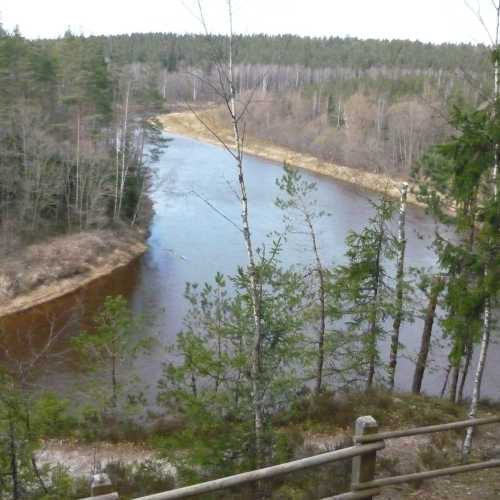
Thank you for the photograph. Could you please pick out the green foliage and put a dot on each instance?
(114, 341)
(173, 49)
(51, 416)
(26, 419)
(455, 181)
(363, 286)
(299, 197)
(63, 486)
(140, 479)
(210, 384)
(301, 213)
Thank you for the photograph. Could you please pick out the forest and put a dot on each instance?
(272, 352)
(76, 111)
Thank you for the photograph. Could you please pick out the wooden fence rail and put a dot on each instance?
(367, 441)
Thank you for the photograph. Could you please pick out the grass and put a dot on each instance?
(329, 412)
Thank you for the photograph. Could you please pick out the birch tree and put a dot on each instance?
(400, 286)
(225, 89)
(492, 225)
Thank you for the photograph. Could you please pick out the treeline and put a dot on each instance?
(74, 128)
(174, 50)
(287, 61)
(370, 104)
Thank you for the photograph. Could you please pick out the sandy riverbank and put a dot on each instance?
(186, 123)
(60, 266)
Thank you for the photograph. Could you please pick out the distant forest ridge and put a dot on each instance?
(173, 49)
(370, 104)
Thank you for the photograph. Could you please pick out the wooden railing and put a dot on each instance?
(367, 441)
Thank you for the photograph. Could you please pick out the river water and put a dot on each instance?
(193, 184)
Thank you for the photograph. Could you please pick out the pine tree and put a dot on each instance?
(110, 346)
(210, 385)
(363, 286)
(301, 209)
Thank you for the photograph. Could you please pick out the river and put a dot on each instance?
(193, 184)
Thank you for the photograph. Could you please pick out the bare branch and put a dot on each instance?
(215, 209)
(479, 17)
(211, 130)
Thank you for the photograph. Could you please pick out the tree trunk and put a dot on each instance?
(77, 189)
(322, 301)
(372, 339)
(485, 339)
(114, 383)
(117, 172)
(476, 391)
(445, 383)
(436, 288)
(469, 349)
(455, 373)
(256, 360)
(399, 287)
(124, 163)
(14, 473)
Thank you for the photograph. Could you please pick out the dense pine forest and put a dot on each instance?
(271, 355)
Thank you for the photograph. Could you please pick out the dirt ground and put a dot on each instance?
(401, 456)
(479, 485)
(56, 267)
(86, 459)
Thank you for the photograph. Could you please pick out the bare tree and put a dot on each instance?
(225, 89)
(19, 382)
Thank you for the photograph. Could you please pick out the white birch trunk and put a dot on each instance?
(399, 286)
(485, 339)
(124, 163)
(117, 171)
(478, 377)
(256, 361)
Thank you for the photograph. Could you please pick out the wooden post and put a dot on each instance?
(101, 485)
(363, 466)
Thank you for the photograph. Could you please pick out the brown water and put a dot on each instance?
(189, 241)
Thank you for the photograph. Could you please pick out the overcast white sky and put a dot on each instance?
(426, 20)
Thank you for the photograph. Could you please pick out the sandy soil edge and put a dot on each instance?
(186, 123)
(117, 258)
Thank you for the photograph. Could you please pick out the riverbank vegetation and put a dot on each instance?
(73, 133)
(269, 353)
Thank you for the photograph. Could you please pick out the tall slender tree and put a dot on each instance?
(491, 226)
(300, 200)
(364, 284)
(400, 287)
